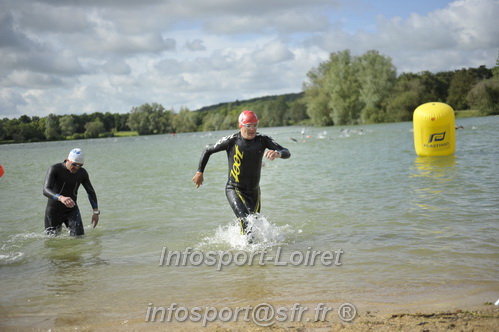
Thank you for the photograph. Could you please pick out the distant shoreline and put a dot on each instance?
(459, 115)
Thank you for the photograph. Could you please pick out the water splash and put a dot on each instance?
(264, 235)
(10, 257)
(12, 250)
(16, 247)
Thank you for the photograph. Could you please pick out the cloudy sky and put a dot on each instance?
(72, 57)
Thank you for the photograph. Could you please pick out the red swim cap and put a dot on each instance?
(247, 117)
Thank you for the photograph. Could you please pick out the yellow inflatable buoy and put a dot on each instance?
(434, 130)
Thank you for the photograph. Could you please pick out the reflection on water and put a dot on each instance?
(71, 260)
(432, 178)
(71, 275)
(434, 167)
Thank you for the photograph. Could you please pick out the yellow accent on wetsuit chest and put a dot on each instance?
(236, 165)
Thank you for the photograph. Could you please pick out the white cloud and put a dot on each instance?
(117, 66)
(195, 45)
(464, 34)
(104, 55)
(11, 100)
(27, 79)
(464, 25)
(272, 53)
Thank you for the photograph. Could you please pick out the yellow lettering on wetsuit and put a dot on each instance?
(236, 166)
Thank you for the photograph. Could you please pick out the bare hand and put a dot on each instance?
(198, 179)
(67, 201)
(95, 220)
(272, 154)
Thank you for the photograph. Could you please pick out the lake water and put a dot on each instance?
(400, 230)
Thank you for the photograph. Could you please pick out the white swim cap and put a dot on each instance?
(76, 155)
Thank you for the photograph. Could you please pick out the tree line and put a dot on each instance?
(343, 90)
(365, 89)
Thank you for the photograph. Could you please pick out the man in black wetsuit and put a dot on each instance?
(61, 188)
(245, 150)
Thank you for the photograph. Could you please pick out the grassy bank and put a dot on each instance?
(468, 114)
(79, 136)
(125, 133)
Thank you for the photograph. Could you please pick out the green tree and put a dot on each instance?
(121, 121)
(349, 90)
(109, 122)
(52, 131)
(213, 121)
(2, 129)
(67, 125)
(442, 83)
(24, 129)
(484, 96)
(495, 70)
(462, 83)
(407, 95)
(435, 88)
(297, 112)
(317, 97)
(230, 121)
(94, 129)
(139, 121)
(81, 121)
(344, 87)
(147, 119)
(25, 119)
(377, 76)
(184, 121)
(274, 112)
(29, 132)
(166, 122)
(10, 127)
